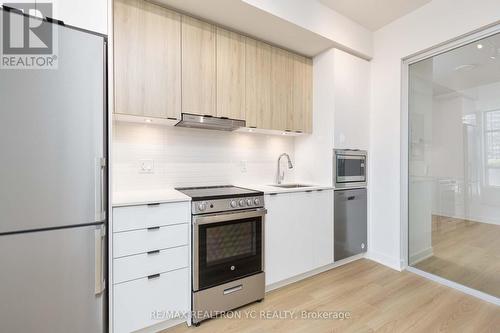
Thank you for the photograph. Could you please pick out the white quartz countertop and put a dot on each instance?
(143, 197)
(269, 189)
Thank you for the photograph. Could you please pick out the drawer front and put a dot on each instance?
(146, 264)
(142, 241)
(146, 216)
(145, 302)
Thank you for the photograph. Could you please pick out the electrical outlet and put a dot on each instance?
(243, 166)
(146, 166)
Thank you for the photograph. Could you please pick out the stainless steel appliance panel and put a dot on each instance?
(350, 168)
(53, 281)
(52, 138)
(228, 296)
(350, 223)
(231, 239)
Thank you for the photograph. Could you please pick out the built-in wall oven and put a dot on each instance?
(227, 249)
(350, 168)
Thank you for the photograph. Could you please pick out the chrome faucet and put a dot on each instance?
(281, 175)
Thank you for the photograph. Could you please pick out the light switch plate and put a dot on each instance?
(146, 166)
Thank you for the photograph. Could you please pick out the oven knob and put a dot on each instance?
(202, 206)
(242, 203)
(256, 201)
(249, 202)
(233, 203)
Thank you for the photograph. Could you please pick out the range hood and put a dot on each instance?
(209, 122)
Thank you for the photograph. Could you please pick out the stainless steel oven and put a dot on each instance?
(227, 246)
(227, 249)
(350, 168)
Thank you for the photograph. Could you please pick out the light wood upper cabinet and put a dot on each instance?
(258, 84)
(300, 115)
(198, 67)
(308, 96)
(230, 74)
(281, 88)
(147, 59)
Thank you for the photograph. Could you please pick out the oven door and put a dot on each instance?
(351, 168)
(227, 247)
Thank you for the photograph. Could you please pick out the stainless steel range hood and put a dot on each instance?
(209, 122)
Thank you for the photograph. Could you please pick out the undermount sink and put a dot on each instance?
(291, 185)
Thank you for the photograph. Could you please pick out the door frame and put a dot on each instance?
(446, 46)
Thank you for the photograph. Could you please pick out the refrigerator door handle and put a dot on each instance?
(99, 260)
(100, 189)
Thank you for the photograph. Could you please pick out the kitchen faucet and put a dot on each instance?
(281, 175)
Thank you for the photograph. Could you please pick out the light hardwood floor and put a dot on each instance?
(378, 298)
(465, 252)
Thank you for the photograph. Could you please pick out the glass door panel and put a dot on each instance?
(454, 165)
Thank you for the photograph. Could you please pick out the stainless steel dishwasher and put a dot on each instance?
(350, 226)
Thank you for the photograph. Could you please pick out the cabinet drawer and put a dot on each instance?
(145, 240)
(145, 302)
(145, 216)
(146, 264)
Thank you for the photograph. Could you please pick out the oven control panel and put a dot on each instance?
(223, 205)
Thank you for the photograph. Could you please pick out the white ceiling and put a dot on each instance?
(462, 69)
(374, 14)
(249, 20)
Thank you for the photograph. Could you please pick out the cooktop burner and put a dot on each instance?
(217, 192)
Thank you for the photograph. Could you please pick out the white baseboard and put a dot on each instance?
(457, 286)
(313, 272)
(422, 255)
(380, 258)
(162, 326)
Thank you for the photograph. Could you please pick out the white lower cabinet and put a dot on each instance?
(151, 266)
(149, 301)
(146, 264)
(298, 233)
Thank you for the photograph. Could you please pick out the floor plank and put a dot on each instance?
(378, 299)
(465, 252)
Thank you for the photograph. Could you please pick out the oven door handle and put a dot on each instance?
(215, 218)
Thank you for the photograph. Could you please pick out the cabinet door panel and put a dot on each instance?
(281, 87)
(258, 84)
(308, 96)
(300, 115)
(299, 236)
(198, 67)
(230, 74)
(147, 59)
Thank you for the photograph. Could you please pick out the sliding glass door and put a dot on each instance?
(454, 165)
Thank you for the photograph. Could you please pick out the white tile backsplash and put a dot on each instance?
(191, 157)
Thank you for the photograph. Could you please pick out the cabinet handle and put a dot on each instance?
(154, 276)
(233, 289)
(319, 190)
(153, 228)
(171, 118)
(155, 204)
(153, 252)
(351, 198)
(273, 193)
(309, 191)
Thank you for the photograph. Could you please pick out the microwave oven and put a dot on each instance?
(350, 168)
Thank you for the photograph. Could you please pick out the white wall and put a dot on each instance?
(87, 14)
(190, 157)
(434, 23)
(314, 152)
(316, 17)
(352, 102)
(341, 105)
